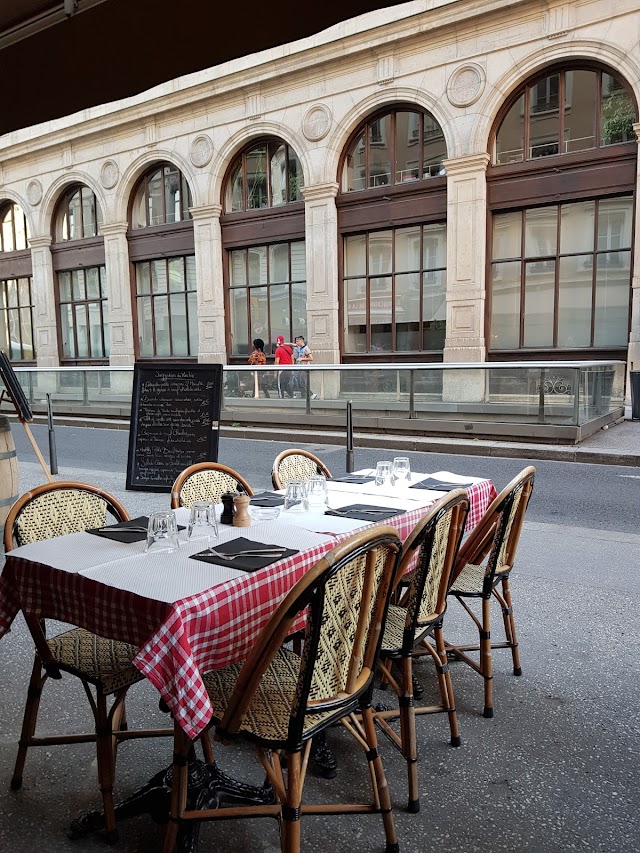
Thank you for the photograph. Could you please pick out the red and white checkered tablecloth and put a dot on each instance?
(181, 640)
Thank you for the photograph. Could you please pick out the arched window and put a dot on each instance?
(161, 248)
(561, 198)
(267, 174)
(263, 237)
(16, 296)
(392, 221)
(81, 287)
(162, 197)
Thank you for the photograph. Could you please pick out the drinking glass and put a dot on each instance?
(203, 523)
(384, 474)
(317, 492)
(401, 469)
(295, 499)
(162, 532)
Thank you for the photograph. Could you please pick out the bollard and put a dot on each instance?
(349, 461)
(53, 456)
(634, 378)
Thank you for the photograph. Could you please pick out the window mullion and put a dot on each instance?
(556, 280)
(594, 270)
(523, 275)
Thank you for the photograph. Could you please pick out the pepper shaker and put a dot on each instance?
(242, 517)
(227, 508)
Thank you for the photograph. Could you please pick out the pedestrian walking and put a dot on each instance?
(259, 359)
(302, 355)
(284, 355)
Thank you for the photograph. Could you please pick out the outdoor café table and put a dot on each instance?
(188, 616)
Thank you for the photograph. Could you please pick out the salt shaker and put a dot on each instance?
(242, 517)
(227, 509)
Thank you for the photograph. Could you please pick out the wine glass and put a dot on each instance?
(401, 469)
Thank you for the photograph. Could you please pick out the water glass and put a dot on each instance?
(401, 469)
(295, 499)
(203, 523)
(384, 475)
(317, 492)
(162, 532)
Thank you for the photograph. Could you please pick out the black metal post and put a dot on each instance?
(541, 415)
(53, 456)
(349, 462)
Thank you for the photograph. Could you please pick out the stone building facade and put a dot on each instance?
(437, 181)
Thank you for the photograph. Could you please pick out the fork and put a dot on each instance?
(111, 528)
(222, 556)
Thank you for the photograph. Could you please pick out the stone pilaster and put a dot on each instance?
(46, 325)
(207, 239)
(633, 358)
(466, 257)
(321, 240)
(119, 302)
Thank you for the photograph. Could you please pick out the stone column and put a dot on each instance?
(321, 240)
(207, 240)
(633, 357)
(119, 302)
(46, 325)
(466, 265)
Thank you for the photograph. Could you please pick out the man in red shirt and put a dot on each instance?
(284, 355)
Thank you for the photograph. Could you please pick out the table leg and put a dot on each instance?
(209, 788)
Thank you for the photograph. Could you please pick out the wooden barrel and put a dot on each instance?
(8, 470)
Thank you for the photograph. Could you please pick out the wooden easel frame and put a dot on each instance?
(7, 395)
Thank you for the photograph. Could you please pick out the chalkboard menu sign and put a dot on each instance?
(15, 389)
(175, 413)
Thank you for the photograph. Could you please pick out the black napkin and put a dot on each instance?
(120, 533)
(354, 478)
(267, 499)
(243, 564)
(440, 485)
(359, 511)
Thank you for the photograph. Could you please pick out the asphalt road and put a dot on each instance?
(601, 497)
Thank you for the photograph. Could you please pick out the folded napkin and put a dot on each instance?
(440, 485)
(365, 512)
(353, 478)
(122, 533)
(267, 499)
(243, 563)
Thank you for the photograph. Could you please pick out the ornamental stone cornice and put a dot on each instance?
(110, 229)
(42, 241)
(320, 192)
(206, 211)
(467, 165)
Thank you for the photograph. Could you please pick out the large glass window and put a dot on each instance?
(78, 215)
(561, 275)
(267, 174)
(267, 294)
(398, 147)
(394, 290)
(565, 112)
(82, 302)
(162, 197)
(16, 319)
(167, 307)
(14, 230)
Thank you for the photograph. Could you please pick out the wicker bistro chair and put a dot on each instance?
(435, 541)
(51, 510)
(280, 701)
(296, 465)
(483, 563)
(206, 481)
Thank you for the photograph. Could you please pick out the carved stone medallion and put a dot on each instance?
(201, 150)
(34, 193)
(316, 122)
(109, 174)
(465, 85)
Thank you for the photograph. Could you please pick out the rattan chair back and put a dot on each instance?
(436, 538)
(346, 595)
(206, 481)
(496, 536)
(56, 509)
(296, 464)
